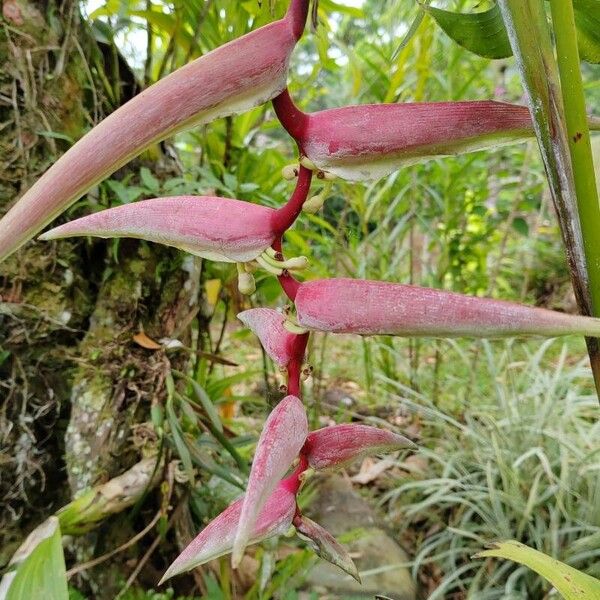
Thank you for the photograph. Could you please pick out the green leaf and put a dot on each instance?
(217, 387)
(178, 439)
(520, 225)
(352, 11)
(482, 33)
(149, 180)
(124, 193)
(412, 30)
(587, 20)
(571, 583)
(55, 135)
(4, 354)
(247, 188)
(201, 396)
(42, 574)
(203, 399)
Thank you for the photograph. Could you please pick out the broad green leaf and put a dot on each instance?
(108, 8)
(571, 583)
(167, 23)
(42, 574)
(482, 33)
(177, 436)
(332, 6)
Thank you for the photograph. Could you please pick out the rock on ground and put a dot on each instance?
(377, 555)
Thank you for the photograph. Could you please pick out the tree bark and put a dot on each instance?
(74, 387)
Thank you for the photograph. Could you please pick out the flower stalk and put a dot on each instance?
(531, 42)
(578, 135)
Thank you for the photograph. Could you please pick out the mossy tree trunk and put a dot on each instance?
(74, 387)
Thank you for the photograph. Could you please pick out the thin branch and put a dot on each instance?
(97, 561)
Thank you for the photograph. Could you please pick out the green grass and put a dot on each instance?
(520, 462)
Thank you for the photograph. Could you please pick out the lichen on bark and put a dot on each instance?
(74, 387)
(44, 294)
(115, 381)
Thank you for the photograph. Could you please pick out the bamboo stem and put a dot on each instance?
(563, 19)
(530, 40)
(580, 148)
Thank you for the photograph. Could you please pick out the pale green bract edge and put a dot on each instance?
(571, 583)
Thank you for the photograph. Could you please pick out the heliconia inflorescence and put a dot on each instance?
(269, 506)
(353, 142)
(231, 79)
(381, 308)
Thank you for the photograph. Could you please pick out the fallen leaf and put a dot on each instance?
(141, 339)
(415, 464)
(212, 289)
(371, 470)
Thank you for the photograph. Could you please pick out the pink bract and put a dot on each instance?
(232, 78)
(269, 505)
(280, 442)
(380, 308)
(339, 445)
(220, 229)
(267, 325)
(371, 141)
(216, 539)
(326, 546)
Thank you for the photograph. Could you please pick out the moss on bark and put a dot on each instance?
(74, 387)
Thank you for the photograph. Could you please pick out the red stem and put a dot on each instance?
(285, 216)
(294, 368)
(292, 483)
(282, 221)
(289, 284)
(297, 13)
(290, 116)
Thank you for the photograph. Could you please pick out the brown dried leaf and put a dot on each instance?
(370, 470)
(141, 339)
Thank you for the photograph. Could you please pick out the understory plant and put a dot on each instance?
(351, 143)
(520, 463)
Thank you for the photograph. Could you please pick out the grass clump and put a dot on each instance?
(521, 463)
